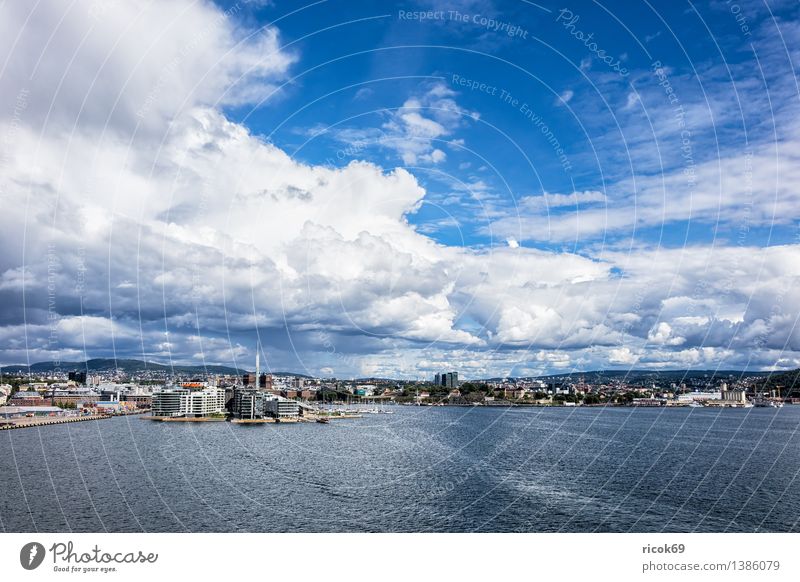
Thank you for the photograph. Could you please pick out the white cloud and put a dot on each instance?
(133, 66)
(184, 220)
(423, 122)
(623, 356)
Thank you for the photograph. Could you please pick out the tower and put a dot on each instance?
(258, 367)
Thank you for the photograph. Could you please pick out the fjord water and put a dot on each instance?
(442, 469)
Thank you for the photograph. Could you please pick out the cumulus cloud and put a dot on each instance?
(142, 221)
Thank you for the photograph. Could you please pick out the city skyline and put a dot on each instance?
(183, 181)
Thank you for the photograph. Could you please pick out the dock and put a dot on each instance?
(47, 421)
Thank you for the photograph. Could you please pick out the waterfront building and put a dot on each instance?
(732, 396)
(21, 411)
(648, 402)
(279, 407)
(697, 397)
(249, 404)
(188, 402)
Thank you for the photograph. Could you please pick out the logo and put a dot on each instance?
(31, 555)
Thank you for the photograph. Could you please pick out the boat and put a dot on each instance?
(323, 420)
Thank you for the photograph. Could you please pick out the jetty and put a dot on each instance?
(47, 421)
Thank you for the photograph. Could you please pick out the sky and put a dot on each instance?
(397, 189)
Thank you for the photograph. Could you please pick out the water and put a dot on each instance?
(421, 469)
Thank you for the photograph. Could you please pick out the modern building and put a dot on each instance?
(249, 404)
(188, 402)
(448, 380)
(279, 407)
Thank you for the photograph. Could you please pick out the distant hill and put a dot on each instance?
(598, 376)
(127, 366)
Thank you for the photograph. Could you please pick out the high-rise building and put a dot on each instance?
(249, 379)
(448, 380)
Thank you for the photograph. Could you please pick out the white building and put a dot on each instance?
(188, 402)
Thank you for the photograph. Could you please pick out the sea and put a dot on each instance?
(419, 469)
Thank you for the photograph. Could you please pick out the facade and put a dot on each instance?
(170, 402)
(283, 408)
(26, 399)
(138, 400)
(249, 404)
(74, 399)
(733, 396)
(188, 402)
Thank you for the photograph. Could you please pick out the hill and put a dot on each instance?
(599, 376)
(96, 365)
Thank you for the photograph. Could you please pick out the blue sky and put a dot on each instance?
(612, 127)
(400, 188)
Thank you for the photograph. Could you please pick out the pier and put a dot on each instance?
(47, 421)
